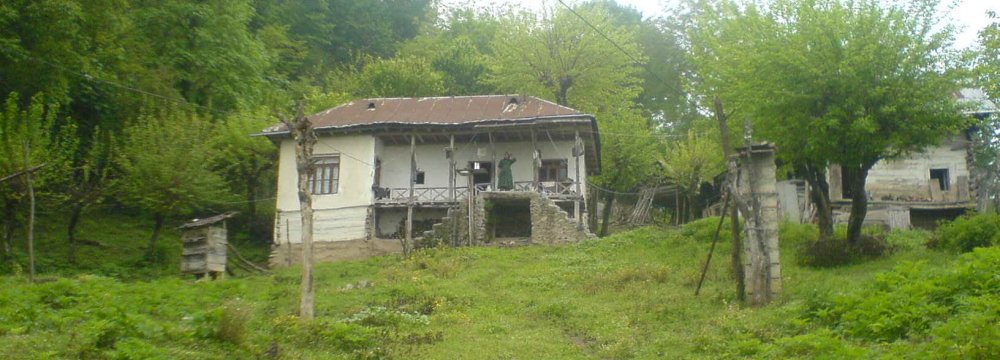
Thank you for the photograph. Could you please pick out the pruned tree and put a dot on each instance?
(246, 163)
(28, 138)
(692, 160)
(832, 82)
(304, 136)
(165, 162)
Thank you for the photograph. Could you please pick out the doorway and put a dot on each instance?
(482, 172)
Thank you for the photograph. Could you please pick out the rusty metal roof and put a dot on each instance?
(450, 110)
(194, 223)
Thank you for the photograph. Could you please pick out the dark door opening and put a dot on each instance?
(941, 176)
(508, 218)
(482, 172)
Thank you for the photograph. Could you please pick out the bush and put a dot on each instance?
(836, 251)
(968, 232)
(704, 229)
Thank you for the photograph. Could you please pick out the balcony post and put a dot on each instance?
(577, 206)
(409, 202)
(451, 168)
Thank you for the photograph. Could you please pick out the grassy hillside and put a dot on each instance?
(109, 244)
(626, 296)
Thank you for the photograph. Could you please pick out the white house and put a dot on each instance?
(367, 149)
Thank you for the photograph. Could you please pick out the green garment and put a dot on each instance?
(506, 180)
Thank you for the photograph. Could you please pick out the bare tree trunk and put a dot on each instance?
(157, 226)
(31, 214)
(74, 219)
(609, 201)
(819, 192)
(859, 202)
(736, 252)
(592, 208)
(305, 139)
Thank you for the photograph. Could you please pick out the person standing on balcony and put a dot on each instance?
(505, 181)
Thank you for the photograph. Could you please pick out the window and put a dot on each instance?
(553, 170)
(941, 176)
(419, 179)
(326, 180)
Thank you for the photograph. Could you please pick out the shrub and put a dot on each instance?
(968, 232)
(913, 301)
(703, 229)
(836, 251)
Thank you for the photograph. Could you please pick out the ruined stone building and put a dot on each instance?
(379, 159)
(915, 191)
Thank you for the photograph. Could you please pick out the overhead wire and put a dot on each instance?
(623, 51)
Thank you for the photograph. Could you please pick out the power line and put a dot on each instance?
(623, 51)
(21, 53)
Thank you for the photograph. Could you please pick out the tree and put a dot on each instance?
(399, 77)
(203, 51)
(988, 57)
(246, 163)
(305, 139)
(693, 160)
(832, 82)
(89, 176)
(559, 56)
(165, 163)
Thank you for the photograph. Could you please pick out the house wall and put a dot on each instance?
(431, 159)
(338, 217)
(908, 179)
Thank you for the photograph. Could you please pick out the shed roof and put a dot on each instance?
(450, 110)
(194, 223)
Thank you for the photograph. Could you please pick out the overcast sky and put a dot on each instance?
(969, 15)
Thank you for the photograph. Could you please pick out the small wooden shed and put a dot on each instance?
(205, 246)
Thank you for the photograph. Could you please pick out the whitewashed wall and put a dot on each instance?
(431, 159)
(339, 216)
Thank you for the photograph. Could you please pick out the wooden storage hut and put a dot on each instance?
(205, 246)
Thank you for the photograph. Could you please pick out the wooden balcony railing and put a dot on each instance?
(560, 190)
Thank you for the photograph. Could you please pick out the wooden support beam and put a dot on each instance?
(409, 203)
(451, 168)
(536, 159)
(493, 172)
(577, 205)
(23, 172)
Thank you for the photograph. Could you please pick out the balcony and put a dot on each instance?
(442, 195)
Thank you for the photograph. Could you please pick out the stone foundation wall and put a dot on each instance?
(550, 224)
(326, 251)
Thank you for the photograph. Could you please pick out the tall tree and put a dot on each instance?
(559, 56)
(833, 82)
(988, 57)
(166, 161)
(28, 137)
(203, 51)
(246, 163)
(693, 159)
(399, 77)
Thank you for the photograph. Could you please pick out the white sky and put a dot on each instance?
(969, 16)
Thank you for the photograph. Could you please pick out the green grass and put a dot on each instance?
(112, 245)
(626, 296)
